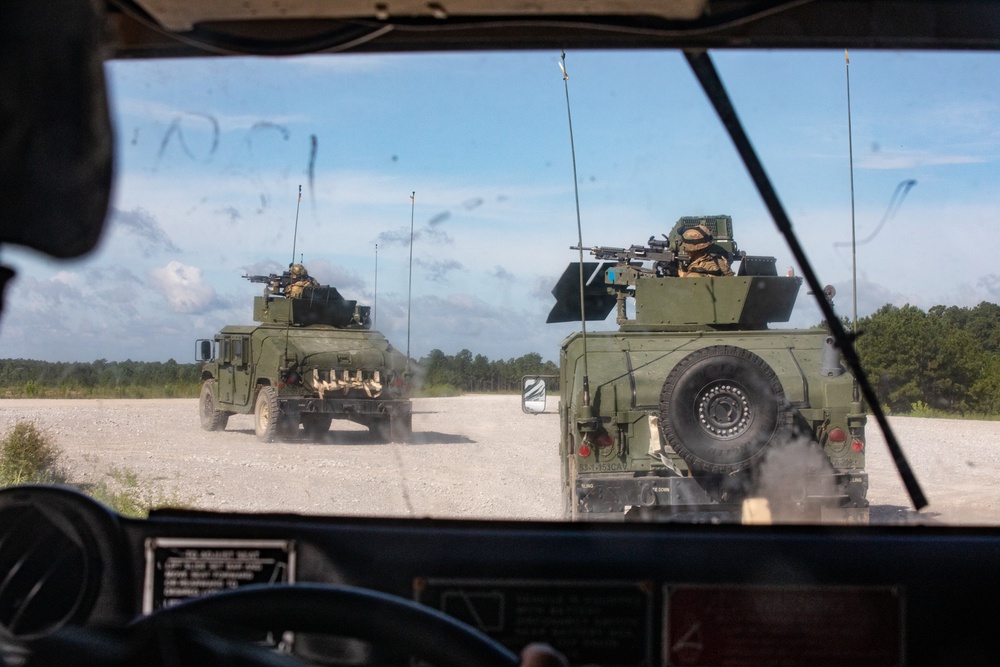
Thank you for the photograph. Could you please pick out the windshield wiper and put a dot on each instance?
(704, 69)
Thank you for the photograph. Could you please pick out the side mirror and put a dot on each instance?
(205, 349)
(533, 395)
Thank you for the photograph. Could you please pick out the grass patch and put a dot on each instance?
(28, 456)
(123, 491)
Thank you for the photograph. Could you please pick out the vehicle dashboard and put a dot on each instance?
(609, 594)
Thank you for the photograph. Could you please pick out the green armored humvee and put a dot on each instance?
(694, 409)
(310, 360)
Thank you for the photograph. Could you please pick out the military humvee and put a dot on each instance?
(310, 360)
(694, 406)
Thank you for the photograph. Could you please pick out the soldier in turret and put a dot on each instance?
(300, 279)
(697, 243)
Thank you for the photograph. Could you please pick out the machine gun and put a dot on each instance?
(665, 260)
(274, 283)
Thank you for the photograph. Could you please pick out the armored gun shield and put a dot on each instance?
(597, 301)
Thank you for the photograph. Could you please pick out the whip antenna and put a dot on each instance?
(375, 304)
(579, 234)
(409, 281)
(295, 234)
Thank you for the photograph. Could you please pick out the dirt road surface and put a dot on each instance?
(472, 457)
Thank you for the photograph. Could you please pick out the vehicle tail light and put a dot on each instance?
(858, 445)
(584, 450)
(604, 439)
(838, 435)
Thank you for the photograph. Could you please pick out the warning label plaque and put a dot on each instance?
(708, 626)
(179, 568)
(605, 623)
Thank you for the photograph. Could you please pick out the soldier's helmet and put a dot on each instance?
(297, 271)
(697, 238)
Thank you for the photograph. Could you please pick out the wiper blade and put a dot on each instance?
(703, 68)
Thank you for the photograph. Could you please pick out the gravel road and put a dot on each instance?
(472, 456)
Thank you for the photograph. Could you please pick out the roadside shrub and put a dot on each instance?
(28, 456)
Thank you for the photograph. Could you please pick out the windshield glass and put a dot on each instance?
(438, 192)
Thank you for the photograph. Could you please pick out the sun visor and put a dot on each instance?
(55, 131)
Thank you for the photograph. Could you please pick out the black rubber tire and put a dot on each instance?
(316, 425)
(721, 407)
(266, 414)
(211, 418)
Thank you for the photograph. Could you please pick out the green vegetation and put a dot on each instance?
(26, 378)
(944, 362)
(450, 375)
(124, 492)
(441, 375)
(28, 456)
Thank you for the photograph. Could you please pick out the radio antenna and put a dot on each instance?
(409, 283)
(579, 235)
(375, 304)
(295, 234)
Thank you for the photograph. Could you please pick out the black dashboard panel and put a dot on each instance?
(610, 594)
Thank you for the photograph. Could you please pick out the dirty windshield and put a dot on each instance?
(351, 285)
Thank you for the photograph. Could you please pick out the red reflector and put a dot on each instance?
(857, 445)
(584, 450)
(604, 439)
(281, 385)
(838, 435)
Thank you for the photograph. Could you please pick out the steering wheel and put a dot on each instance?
(346, 611)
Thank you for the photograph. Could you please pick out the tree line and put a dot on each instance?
(98, 379)
(946, 359)
(465, 373)
(437, 373)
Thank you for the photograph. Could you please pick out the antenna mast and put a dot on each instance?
(850, 153)
(409, 281)
(375, 304)
(579, 235)
(295, 234)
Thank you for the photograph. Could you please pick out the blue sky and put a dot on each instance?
(211, 153)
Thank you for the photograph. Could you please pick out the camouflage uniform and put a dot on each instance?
(697, 241)
(300, 280)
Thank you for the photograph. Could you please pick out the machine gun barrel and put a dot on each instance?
(271, 279)
(656, 252)
(260, 279)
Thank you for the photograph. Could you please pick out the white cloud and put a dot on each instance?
(183, 288)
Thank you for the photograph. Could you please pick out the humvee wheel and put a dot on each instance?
(266, 414)
(315, 425)
(211, 418)
(721, 407)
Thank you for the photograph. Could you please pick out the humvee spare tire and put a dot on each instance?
(721, 407)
